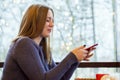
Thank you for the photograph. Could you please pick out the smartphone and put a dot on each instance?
(91, 47)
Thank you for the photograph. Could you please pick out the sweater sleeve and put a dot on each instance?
(70, 71)
(27, 57)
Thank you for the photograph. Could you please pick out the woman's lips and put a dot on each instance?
(49, 30)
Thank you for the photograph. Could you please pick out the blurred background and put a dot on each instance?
(77, 22)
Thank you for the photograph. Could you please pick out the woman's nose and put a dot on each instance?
(51, 24)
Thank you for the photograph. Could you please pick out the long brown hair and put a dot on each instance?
(32, 26)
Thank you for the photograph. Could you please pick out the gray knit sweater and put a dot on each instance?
(25, 61)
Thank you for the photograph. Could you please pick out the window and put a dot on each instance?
(82, 22)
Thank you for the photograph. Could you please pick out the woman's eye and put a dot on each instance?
(48, 20)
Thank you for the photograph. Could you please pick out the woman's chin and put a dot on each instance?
(46, 35)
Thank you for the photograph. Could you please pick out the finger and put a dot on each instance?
(89, 55)
(86, 59)
(91, 49)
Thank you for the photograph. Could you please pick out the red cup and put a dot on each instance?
(99, 76)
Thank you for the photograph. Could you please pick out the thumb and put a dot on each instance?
(81, 47)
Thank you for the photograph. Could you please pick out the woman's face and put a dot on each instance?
(48, 24)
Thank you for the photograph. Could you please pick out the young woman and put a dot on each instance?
(29, 56)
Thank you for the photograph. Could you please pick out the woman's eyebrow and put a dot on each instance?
(50, 18)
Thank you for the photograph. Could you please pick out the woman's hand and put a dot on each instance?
(82, 54)
(89, 53)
